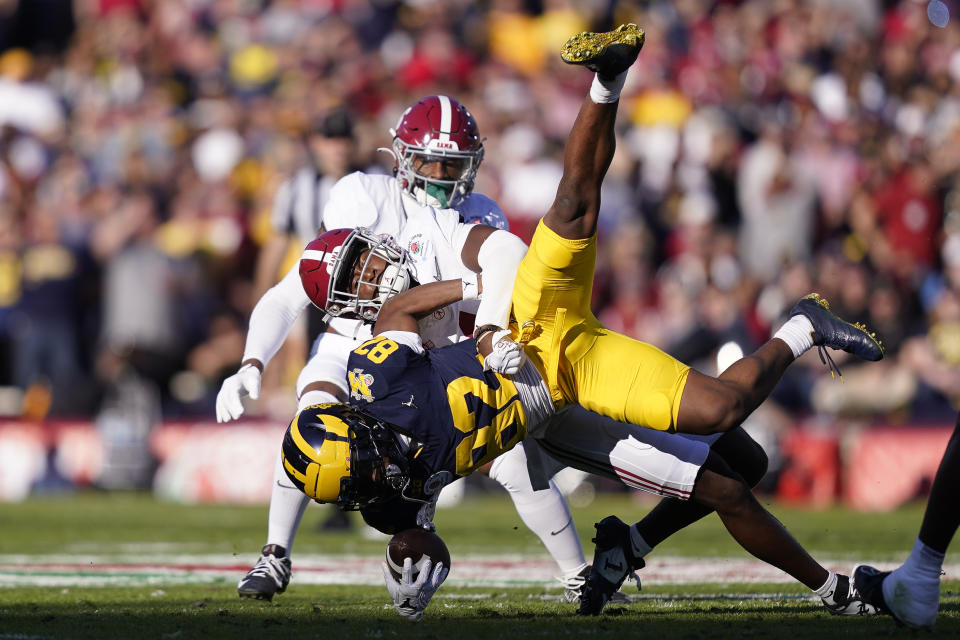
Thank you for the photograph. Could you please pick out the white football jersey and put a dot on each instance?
(434, 239)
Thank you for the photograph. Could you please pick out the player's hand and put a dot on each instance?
(245, 382)
(411, 597)
(506, 357)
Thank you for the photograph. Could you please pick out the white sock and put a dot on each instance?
(827, 588)
(639, 546)
(287, 504)
(912, 590)
(796, 333)
(545, 512)
(923, 565)
(605, 91)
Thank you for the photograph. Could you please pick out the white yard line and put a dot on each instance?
(157, 569)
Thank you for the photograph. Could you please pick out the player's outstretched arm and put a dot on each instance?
(270, 322)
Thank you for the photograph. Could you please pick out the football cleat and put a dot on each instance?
(831, 331)
(612, 563)
(845, 600)
(270, 575)
(573, 588)
(905, 605)
(609, 53)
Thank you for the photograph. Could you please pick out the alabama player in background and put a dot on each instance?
(429, 207)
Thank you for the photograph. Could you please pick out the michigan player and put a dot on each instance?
(438, 150)
(422, 418)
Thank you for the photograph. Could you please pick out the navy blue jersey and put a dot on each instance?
(462, 415)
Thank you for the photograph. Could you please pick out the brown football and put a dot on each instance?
(420, 546)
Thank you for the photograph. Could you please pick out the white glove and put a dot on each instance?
(411, 597)
(245, 382)
(507, 356)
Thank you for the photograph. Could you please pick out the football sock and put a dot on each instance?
(913, 589)
(605, 91)
(638, 545)
(796, 333)
(828, 587)
(545, 512)
(287, 504)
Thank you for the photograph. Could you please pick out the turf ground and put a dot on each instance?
(97, 565)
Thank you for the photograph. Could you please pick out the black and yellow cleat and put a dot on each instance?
(836, 333)
(609, 53)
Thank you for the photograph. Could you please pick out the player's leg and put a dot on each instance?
(271, 573)
(545, 512)
(654, 461)
(590, 146)
(675, 466)
(740, 452)
(322, 380)
(709, 405)
(760, 533)
(911, 593)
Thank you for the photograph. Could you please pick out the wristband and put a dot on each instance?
(252, 362)
(480, 332)
(471, 290)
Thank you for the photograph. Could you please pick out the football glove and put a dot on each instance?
(507, 356)
(245, 382)
(411, 597)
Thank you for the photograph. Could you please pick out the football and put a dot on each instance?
(420, 546)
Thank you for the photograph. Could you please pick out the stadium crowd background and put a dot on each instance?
(767, 148)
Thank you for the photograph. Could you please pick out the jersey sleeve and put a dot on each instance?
(378, 367)
(408, 338)
(358, 200)
(274, 315)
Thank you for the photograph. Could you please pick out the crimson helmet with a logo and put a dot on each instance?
(437, 129)
(334, 264)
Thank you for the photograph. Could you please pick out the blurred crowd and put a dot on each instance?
(767, 148)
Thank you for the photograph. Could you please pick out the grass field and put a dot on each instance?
(122, 566)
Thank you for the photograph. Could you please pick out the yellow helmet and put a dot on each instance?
(336, 453)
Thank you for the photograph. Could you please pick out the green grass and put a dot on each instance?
(99, 522)
(62, 523)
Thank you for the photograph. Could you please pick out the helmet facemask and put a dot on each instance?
(437, 129)
(357, 253)
(378, 467)
(442, 193)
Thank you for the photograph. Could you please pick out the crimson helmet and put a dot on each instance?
(332, 259)
(437, 128)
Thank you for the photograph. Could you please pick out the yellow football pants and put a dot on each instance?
(582, 361)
